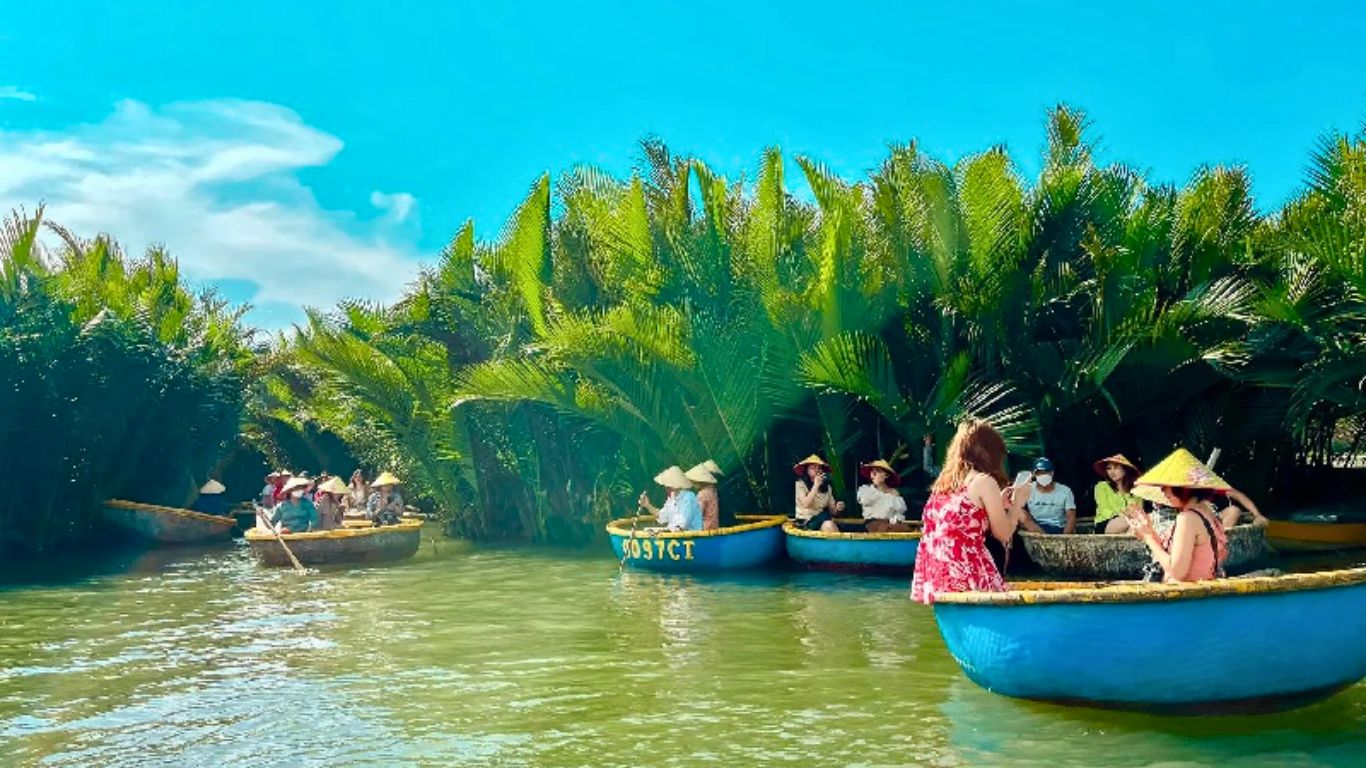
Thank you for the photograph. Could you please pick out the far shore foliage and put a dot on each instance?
(533, 380)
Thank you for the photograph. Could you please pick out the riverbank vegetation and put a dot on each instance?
(532, 380)
(115, 381)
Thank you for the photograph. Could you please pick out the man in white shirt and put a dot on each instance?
(1051, 504)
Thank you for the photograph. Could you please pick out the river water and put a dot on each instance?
(479, 656)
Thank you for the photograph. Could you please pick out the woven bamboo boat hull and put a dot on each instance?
(1296, 536)
(1226, 646)
(852, 550)
(756, 542)
(1121, 556)
(167, 525)
(340, 545)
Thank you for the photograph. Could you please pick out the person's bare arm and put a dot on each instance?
(1001, 519)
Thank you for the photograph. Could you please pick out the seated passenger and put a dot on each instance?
(816, 506)
(210, 500)
(705, 480)
(1051, 506)
(1196, 547)
(328, 500)
(1114, 493)
(884, 511)
(274, 482)
(385, 506)
(681, 510)
(296, 514)
(1230, 514)
(357, 494)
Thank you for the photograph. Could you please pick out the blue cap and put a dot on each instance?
(1043, 465)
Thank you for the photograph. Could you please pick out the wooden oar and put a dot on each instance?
(626, 546)
(298, 567)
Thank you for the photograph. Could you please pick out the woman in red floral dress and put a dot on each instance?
(969, 498)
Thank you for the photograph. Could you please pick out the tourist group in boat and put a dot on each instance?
(292, 503)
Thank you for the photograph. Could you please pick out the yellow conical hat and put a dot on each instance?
(1182, 470)
(673, 477)
(334, 485)
(712, 467)
(799, 469)
(700, 474)
(211, 488)
(893, 477)
(384, 479)
(1151, 493)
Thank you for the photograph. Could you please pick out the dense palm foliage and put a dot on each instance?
(116, 382)
(531, 384)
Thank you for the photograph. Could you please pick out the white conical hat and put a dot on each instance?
(673, 477)
(212, 487)
(700, 474)
(384, 479)
(712, 467)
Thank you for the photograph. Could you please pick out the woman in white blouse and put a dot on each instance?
(884, 511)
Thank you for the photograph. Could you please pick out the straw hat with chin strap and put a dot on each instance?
(385, 478)
(799, 469)
(673, 478)
(211, 488)
(865, 471)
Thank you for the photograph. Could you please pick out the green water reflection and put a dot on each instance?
(478, 656)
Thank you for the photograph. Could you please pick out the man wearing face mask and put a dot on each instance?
(296, 514)
(1051, 504)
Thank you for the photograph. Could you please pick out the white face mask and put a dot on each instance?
(1044, 480)
(296, 495)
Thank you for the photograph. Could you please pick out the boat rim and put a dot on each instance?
(137, 506)
(790, 528)
(403, 526)
(622, 527)
(1031, 535)
(1065, 593)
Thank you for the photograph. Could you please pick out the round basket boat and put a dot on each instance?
(852, 549)
(168, 525)
(340, 545)
(1226, 646)
(1101, 556)
(757, 541)
(1312, 536)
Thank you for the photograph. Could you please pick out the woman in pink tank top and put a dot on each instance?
(965, 503)
(1196, 547)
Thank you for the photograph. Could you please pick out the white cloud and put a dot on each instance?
(217, 183)
(398, 205)
(11, 92)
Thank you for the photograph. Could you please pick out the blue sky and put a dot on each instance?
(297, 152)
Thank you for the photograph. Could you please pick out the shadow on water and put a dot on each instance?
(114, 557)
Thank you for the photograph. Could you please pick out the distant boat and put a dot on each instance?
(755, 542)
(853, 548)
(168, 525)
(1225, 646)
(349, 544)
(1326, 532)
(1101, 556)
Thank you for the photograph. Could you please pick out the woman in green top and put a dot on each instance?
(1114, 493)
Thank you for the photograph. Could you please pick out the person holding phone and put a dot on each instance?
(1195, 548)
(816, 505)
(969, 499)
(681, 511)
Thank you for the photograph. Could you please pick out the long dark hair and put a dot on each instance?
(1130, 475)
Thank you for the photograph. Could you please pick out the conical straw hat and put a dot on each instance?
(799, 469)
(674, 478)
(212, 487)
(712, 467)
(866, 472)
(1182, 470)
(1119, 459)
(1151, 493)
(296, 482)
(700, 474)
(334, 485)
(384, 479)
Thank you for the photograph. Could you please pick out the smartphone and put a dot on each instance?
(1022, 478)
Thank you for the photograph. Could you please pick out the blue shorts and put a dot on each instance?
(1050, 528)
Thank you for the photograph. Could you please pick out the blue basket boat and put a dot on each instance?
(1226, 646)
(756, 542)
(852, 549)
